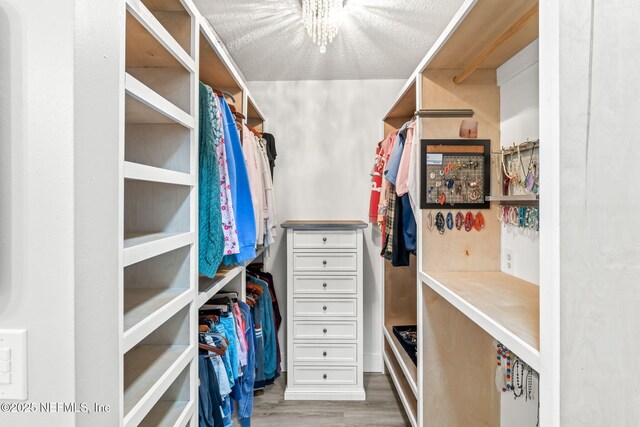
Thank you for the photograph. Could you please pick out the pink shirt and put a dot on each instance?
(402, 181)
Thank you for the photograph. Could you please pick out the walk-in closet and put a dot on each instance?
(319, 213)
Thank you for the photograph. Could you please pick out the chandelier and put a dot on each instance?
(322, 20)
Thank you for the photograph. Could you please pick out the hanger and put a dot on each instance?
(224, 93)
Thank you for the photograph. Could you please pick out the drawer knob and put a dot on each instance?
(324, 239)
(324, 262)
(324, 354)
(324, 308)
(324, 285)
(324, 376)
(324, 330)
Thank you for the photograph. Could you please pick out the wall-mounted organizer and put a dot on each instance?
(457, 295)
(455, 173)
(169, 48)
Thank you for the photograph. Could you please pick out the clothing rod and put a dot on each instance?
(444, 113)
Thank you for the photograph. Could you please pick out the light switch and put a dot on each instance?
(13, 364)
(5, 378)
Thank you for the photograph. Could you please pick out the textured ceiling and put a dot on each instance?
(378, 39)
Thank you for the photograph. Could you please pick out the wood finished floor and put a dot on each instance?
(382, 408)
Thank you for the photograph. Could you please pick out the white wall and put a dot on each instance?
(519, 120)
(326, 133)
(36, 197)
(599, 250)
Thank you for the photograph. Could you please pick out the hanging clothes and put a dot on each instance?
(409, 227)
(271, 150)
(240, 190)
(231, 245)
(270, 215)
(210, 236)
(255, 180)
(412, 180)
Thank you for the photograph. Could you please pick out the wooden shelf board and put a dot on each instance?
(149, 44)
(168, 414)
(140, 172)
(146, 309)
(506, 307)
(409, 403)
(215, 70)
(141, 246)
(149, 370)
(144, 105)
(409, 370)
(253, 112)
(483, 24)
(210, 286)
(405, 105)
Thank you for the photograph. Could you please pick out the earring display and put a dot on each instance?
(468, 220)
(455, 173)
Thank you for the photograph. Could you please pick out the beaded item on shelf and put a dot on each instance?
(526, 217)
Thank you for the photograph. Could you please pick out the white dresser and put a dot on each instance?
(324, 310)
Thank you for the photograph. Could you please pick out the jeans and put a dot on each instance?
(229, 326)
(246, 383)
(209, 414)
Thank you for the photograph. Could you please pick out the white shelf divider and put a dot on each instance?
(152, 309)
(140, 172)
(153, 100)
(403, 360)
(157, 30)
(141, 246)
(403, 398)
(169, 414)
(145, 391)
(529, 354)
(213, 285)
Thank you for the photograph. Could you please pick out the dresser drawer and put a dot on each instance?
(343, 239)
(339, 261)
(314, 307)
(325, 285)
(325, 353)
(321, 375)
(324, 330)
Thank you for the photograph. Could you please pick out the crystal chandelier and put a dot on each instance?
(322, 20)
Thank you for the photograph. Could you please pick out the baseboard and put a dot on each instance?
(324, 395)
(373, 362)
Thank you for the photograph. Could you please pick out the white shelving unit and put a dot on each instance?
(453, 291)
(169, 47)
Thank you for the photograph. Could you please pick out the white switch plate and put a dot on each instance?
(16, 341)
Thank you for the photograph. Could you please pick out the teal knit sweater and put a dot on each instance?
(211, 237)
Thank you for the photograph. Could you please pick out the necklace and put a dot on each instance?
(430, 221)
(478, 223)
(450, 221)
(468, 222)
(459, 220)
(440, 222)
(517, 382)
